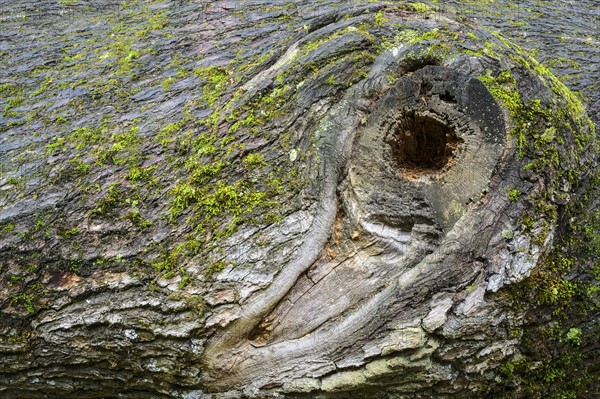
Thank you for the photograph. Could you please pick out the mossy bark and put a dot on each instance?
(285, 200)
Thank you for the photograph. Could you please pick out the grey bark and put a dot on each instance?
(386, 274)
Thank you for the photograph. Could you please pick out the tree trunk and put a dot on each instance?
(261, 199)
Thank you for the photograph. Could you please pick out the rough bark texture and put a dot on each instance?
(202, 200)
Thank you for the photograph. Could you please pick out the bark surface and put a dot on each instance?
(259, 199)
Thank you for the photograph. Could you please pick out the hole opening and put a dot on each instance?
(422, 144)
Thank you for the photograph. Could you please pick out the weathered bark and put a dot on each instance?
(307, 201)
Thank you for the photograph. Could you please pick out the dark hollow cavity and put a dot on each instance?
(422, 143)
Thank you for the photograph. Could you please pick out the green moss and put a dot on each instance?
(552, 365)
(185, 280)
(10, 89)
(83, 137)
(134, 214)
(216, 81)
(16, 181)
(562, 289)
(253, 64)
(574, 106)
(25, 300)
(430, 35)
(217, 195)
(214, 268)
(44, 86)
(60, 119)
(514, 194)
(169, 133)
(12, 102)
(535, 126)
(118, 153)
(109, 203)
(68, 233)
(141, 174)
(7, 228)
(254, 160)
(80, 168)
(504, 89)
(215, 200)
(562, 62)
(379, 19)
(166, 84)
(420, 7)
